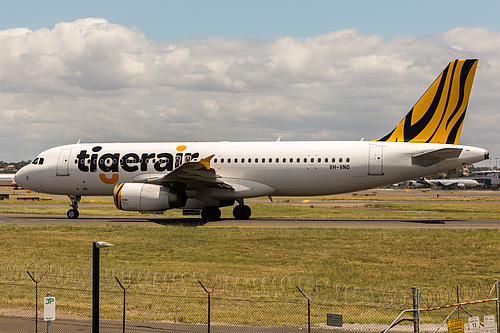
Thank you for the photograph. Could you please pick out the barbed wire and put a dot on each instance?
(463, 292)
(245, 287)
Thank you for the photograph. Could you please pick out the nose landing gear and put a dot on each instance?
(73, 212)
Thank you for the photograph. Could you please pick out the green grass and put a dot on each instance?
(380, 210)
(431, 258)
(359, 256)
(424, 257)
(386, 204)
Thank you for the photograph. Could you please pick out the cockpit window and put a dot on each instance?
(38, 160)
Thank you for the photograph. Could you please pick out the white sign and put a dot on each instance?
(474, 323)
(49, 307)
(489, 324)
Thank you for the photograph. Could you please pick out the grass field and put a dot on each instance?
(424, 257)
(376, 204)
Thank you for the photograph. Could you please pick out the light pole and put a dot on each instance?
(95, 284)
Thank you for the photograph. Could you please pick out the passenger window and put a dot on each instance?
(222, 160)
(291, 160)
(298, 160)
(333, 159)
(215, 160)
(235, 160)
(340, 160)
(263, 160)
(270, 160)
(284, 160)
(348, 160)
(319, 160)
(305, 160)
(228, 160)
(249, 160)
(326, 160)
(277, 160)
(312, 160)
(256, 160)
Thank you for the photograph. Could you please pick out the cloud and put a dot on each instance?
(98, 81)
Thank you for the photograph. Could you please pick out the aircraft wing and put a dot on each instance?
(447, 183)
(435, 156)
(191, 175)
(425, 181)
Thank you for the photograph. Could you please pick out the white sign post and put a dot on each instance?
(49, 310)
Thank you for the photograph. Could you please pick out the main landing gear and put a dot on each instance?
(242, 212)
(212, 213)
(73, 212)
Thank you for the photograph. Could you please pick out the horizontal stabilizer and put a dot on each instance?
(433, 157)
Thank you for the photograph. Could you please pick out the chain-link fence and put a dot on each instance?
(169, 302)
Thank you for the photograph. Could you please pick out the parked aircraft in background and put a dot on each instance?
(451, 183)
(151, 177)
(7, 179)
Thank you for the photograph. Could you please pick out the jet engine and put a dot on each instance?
(147, 197)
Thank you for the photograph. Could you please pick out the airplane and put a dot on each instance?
(201, 177)
(7, 180)
(450, 183)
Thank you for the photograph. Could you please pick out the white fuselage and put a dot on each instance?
(251, 168)
(7, 180)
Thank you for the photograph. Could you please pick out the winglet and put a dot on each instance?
(206, 161)
(439, 114)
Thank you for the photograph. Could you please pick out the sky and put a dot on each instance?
(193, 70)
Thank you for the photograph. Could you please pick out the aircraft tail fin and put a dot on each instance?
(439, 114)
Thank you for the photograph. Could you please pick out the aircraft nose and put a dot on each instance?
(21, 177)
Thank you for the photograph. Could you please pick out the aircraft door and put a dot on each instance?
(63, 163)
(376, 161)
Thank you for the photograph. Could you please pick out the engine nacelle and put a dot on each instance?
(147, 197)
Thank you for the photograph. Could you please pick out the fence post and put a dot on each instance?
(209, 293)
(124, 299)
(48, 321)
(416, 311)
(36, 297)
(308, 306)
(498, 305)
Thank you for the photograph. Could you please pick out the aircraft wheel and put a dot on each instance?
(73, 214)
(242, 212)
(210, 213)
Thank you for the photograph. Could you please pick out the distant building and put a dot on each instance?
(490, 178)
